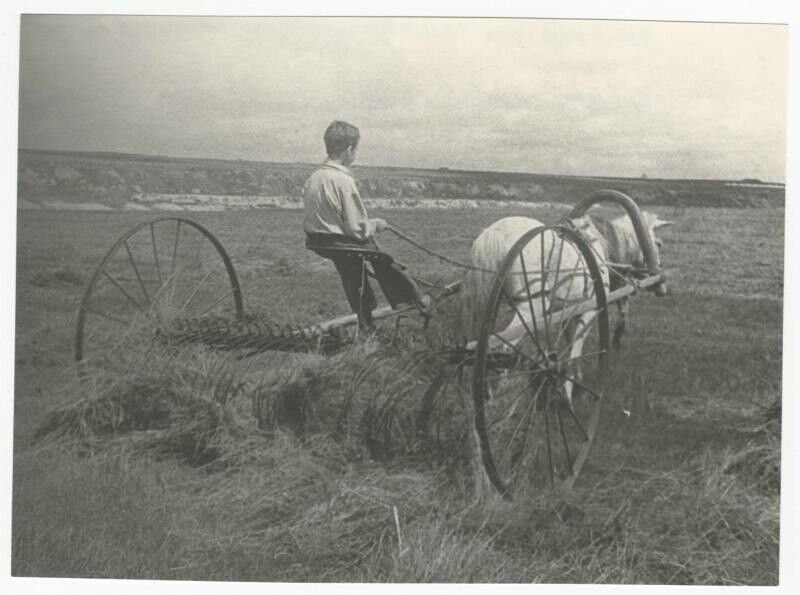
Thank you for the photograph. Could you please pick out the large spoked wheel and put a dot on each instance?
(541, 363)
(156, 272)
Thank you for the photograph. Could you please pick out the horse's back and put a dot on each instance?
(511, 228)
(494, 243)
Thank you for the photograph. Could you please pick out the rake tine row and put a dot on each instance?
(252, 335)
(258, 337)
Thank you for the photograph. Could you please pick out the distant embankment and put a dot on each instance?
(61, 180)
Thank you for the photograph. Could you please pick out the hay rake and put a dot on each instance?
(535, 401)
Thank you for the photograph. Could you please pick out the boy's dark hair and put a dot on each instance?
(339, 136)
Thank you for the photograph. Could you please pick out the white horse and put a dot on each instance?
(613, 241)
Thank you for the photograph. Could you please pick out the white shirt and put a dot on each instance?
(332, 203)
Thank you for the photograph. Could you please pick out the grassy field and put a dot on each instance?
(684, 491)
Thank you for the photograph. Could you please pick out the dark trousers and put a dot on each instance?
(350, 257)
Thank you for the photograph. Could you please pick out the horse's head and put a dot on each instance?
(623, 245)
(652, 222)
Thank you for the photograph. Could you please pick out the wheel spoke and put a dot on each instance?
(164, 263)
(584, 356)
(543, 291)
(530, 298)
(515, 348)
(527, 423)
(136, 271)
(556, 278)
(587, 329)
(175, 247)
(507, 448)
(533, 337)
(530, 406)
(125, 293)
(522, 451)
(155, 254)
(572, 276)
(583, 386)
(574, 416)
(508, 416)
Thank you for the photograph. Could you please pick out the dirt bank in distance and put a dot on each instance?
(71, 180)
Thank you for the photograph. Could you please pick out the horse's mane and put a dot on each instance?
(617, 238)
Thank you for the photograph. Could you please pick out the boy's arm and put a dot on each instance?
(355, 222)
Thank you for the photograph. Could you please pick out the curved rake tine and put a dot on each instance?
(200, 285)
(439, 381)
(216, 302)
(121, 321)
(564, 440)
(547, 437)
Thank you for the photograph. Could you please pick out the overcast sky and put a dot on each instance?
(545, 96)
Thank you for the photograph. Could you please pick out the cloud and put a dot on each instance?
(574, 97)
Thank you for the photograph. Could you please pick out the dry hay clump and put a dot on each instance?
(380, 401)
(759, 462)
(375, 400)
(182, 413)
(313, 515)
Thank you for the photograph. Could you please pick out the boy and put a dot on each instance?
(337, 228)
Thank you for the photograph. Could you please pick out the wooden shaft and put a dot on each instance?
(635, 214)
(380, 313)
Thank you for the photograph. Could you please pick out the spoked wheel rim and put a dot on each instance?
(537, 397)
(158, 271)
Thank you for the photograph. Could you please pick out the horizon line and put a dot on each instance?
(441, 169)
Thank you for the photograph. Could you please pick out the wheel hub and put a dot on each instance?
(551, 363)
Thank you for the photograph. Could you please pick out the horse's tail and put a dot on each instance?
(488, 252)
(475, 288)
(477, 285)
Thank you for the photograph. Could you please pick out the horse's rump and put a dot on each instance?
(549, 272)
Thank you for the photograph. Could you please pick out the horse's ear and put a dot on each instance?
(661, 223)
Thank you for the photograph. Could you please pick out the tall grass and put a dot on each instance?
(302, 511)
(191, 464)
(321, 471)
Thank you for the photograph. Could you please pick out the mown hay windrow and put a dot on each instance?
(378, 401)
(384, 399)
(309, 516)
(162, 413)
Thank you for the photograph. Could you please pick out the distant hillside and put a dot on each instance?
(113, 180)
